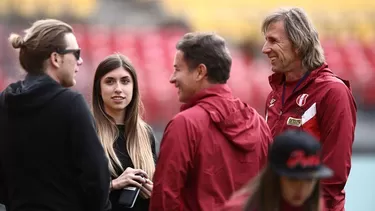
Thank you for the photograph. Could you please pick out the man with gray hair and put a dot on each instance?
(307, 95)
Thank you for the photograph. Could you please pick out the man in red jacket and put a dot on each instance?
(307, 95)
(216, 143)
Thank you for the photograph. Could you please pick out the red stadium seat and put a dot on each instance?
(334, 57)
(360, 66)
(152, 52)
(100, 41)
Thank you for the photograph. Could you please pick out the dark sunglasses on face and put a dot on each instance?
(76, 52)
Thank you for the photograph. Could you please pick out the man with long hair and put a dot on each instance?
(50, 155)
(307, 95)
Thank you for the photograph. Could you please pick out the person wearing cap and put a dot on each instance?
(307, 95)
(290, 180)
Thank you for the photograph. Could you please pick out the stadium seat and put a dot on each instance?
(82, 8)
(334, 57)
(54, 8)
(5, 7)
(152, 51)
(100, 42)
(25, 8)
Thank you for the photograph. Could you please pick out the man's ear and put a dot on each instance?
(201, 71)
(55, 59)
(296, 51)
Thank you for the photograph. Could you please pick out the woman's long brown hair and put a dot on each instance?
(265, 193)
(137, 131)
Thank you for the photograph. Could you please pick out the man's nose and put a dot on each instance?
(266, 49)
(80, 61)
(172, 79)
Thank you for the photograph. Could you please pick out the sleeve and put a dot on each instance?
(175, 158)
(266, 143)
(88, 154)
(2, 186)
(266, 137)
(337, 121)
(236, 202)
(266, 107)
(3, 192)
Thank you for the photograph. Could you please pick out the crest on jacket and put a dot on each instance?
(301, 100)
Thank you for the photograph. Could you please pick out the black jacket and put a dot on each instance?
(50, 155)
(141, 204)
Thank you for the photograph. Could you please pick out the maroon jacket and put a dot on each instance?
(209, 150)
(323, 105)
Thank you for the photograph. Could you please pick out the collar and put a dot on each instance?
(275, 80)
(217, 90)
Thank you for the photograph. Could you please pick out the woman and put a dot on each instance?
(289, 182)
(128, 141)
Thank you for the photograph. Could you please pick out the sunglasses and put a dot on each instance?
(76, 52)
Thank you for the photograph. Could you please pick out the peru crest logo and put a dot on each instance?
(301, 100)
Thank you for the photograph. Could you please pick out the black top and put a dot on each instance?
(50, 155)
(120, 149)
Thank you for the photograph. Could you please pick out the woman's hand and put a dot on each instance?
(129, 178)
(146, 189)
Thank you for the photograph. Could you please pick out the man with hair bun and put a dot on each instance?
(307, 95)
(50, 154)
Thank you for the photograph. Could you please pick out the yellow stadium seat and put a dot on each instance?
(82, 8)
(53, 8)
(240, 18)
(5, 7)
(25, 8)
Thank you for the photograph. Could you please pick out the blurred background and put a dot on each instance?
(147, 30)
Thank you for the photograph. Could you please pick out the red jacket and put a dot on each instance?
(238, 201)
(324, 106)
(209, 150)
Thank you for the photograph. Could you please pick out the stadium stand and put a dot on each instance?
(349, 44)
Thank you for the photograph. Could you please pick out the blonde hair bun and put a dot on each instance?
(16, 40)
